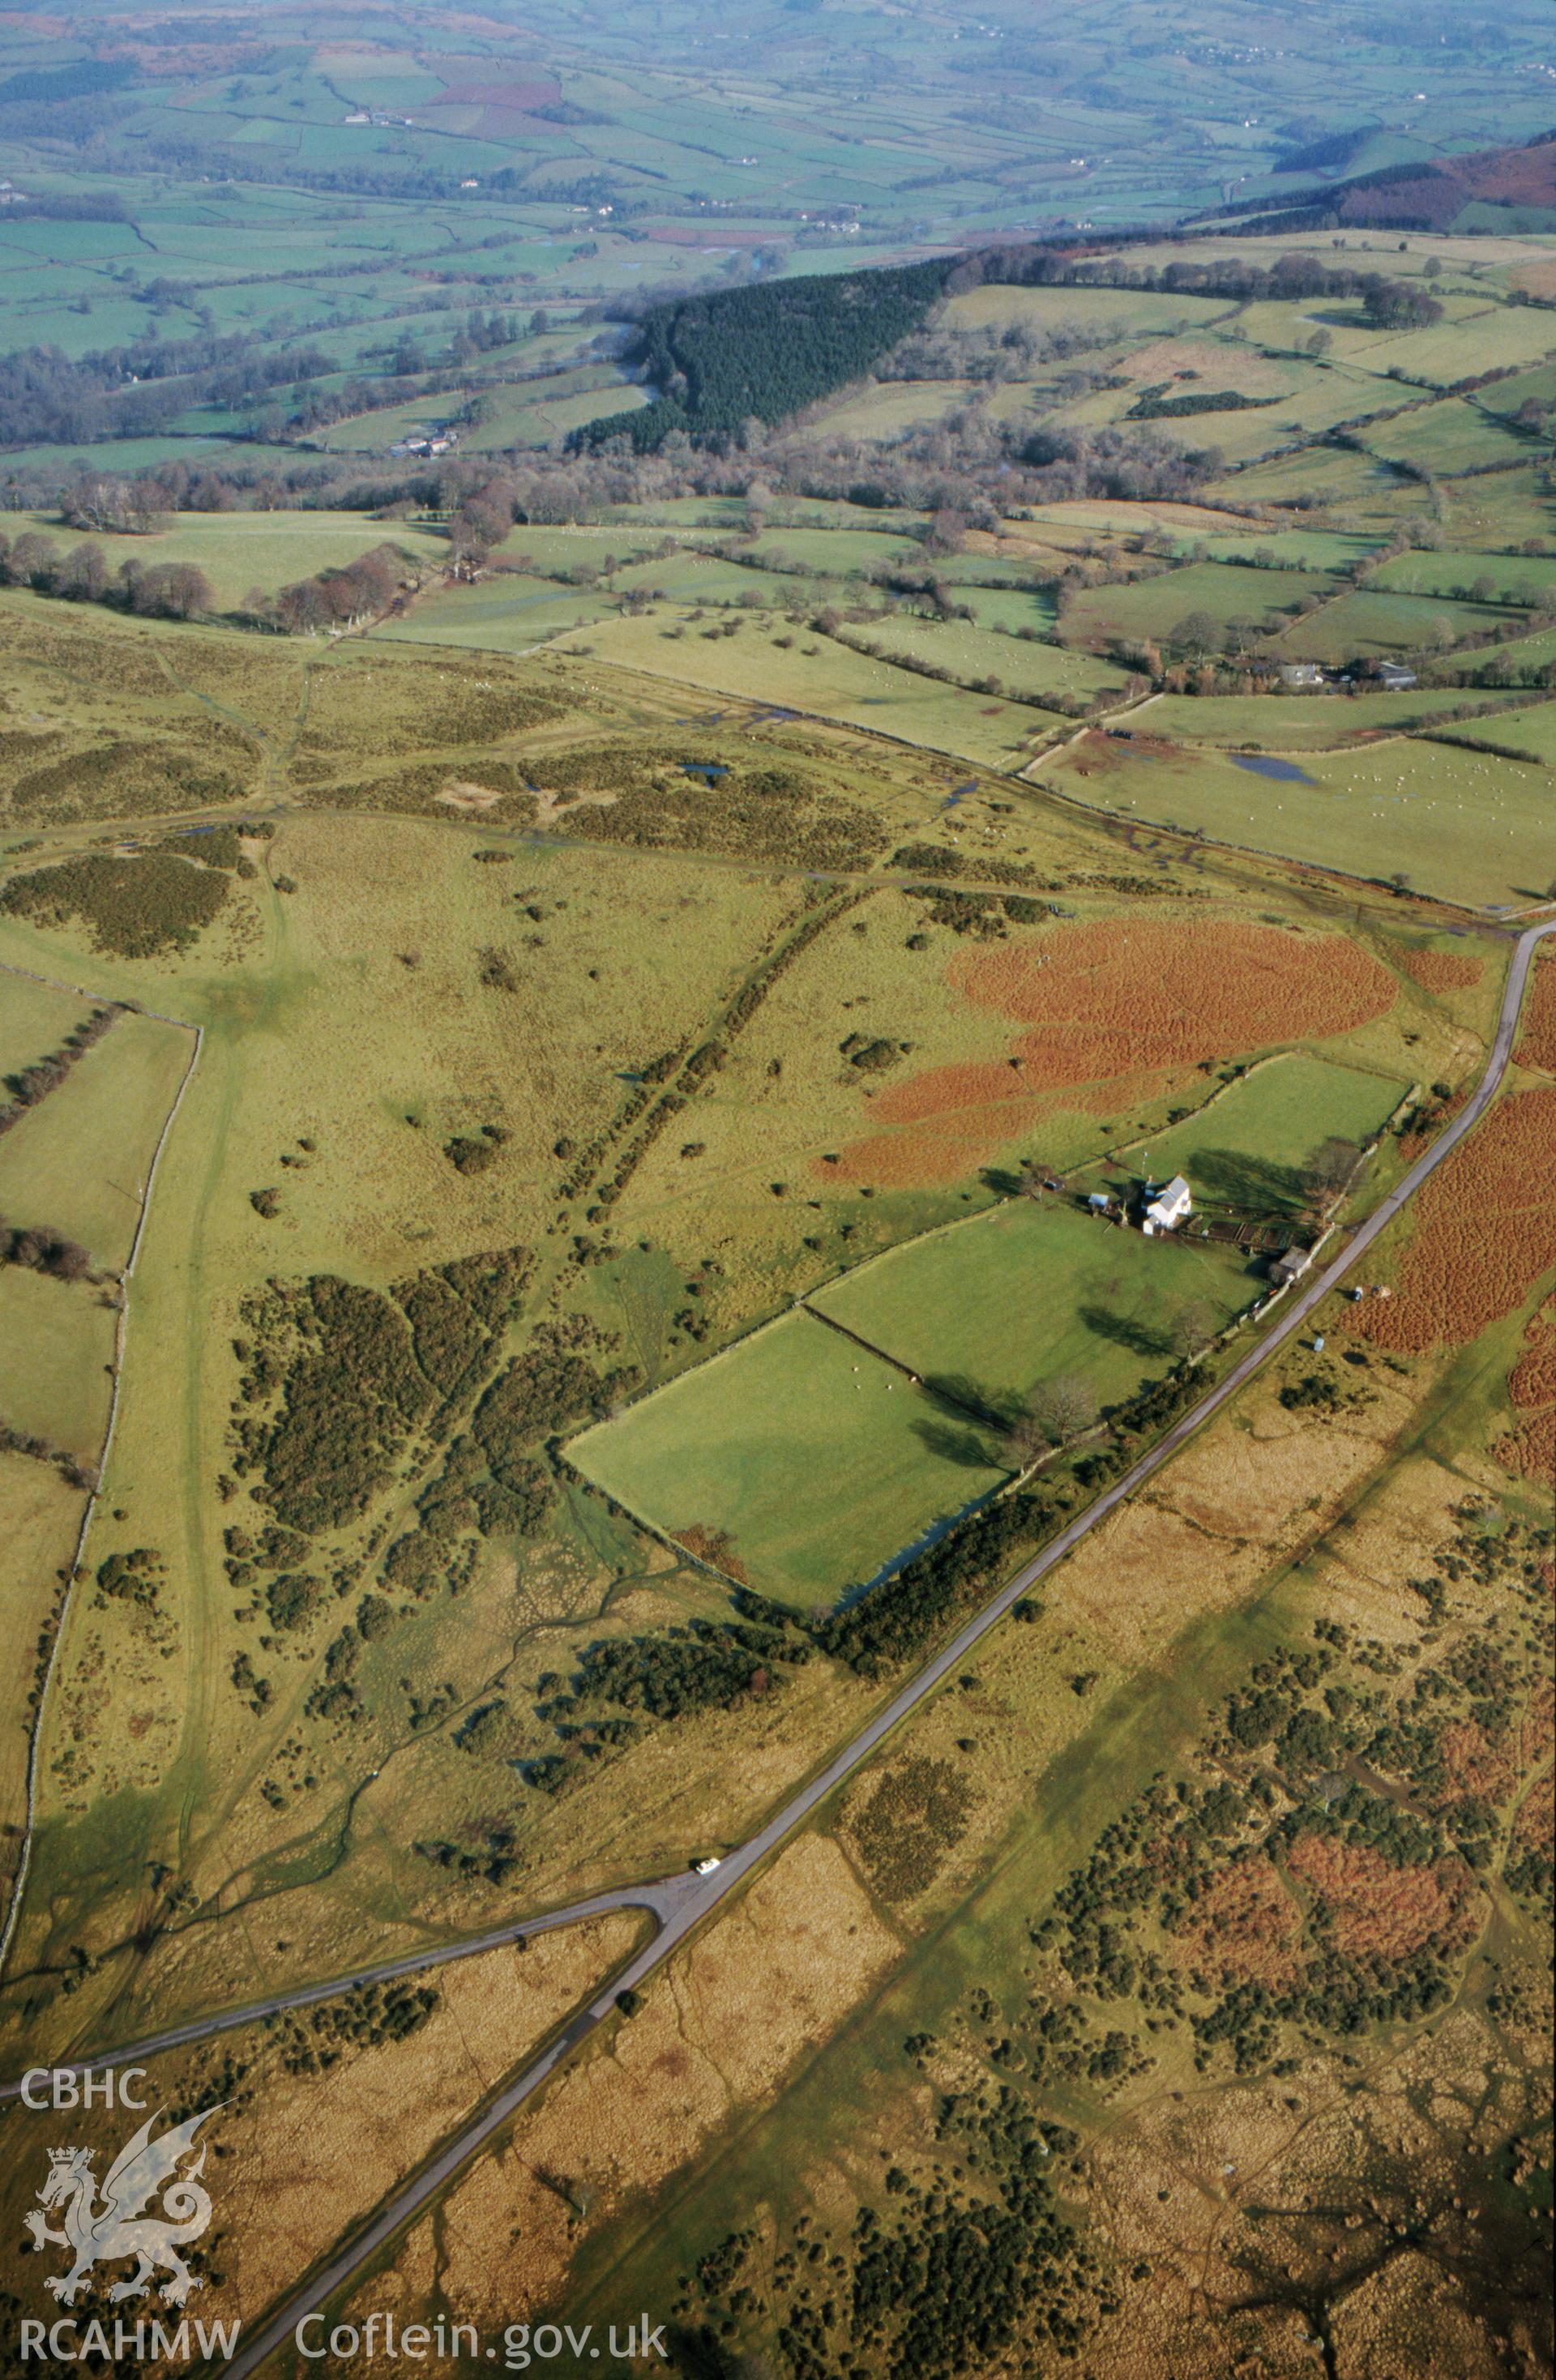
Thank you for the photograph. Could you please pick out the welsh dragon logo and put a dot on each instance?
(102, 2231)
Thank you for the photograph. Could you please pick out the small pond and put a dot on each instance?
(1265, 764)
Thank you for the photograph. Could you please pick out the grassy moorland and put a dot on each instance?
(450, 872)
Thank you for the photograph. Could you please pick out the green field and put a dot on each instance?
(1293, 549)
(1243, 433)
(508, 613)
(1360, 486)
(1006, 608)
(1251, 1144)
(996, 1305)
(1531, 730)
(1317, 722)
(889, 408)
(1452, 436)
(692, 577)
(835, 552)
(1125, 313)
(56, 1348)
(819, 1462)
(527, 413)
(240, 552)
(825, 678)
(1506, 578)
(34, 1020)
(1527, 656)
(1461, 826)
(1366, 627)
(78, 1160)
(1155, 607)
(1500, 508)
(1023, 665)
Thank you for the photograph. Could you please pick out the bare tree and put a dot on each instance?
(1192, 1328)
(1330, 1167)
(1055, 1412)
(1024, 1441)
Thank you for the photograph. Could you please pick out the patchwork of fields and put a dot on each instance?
(805, 1457)
(998, 632)
(788, 1461)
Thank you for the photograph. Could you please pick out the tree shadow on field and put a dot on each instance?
(1230, 1176)
(963, 1398)
(1002, 1181)
(1124, 1331)
(964, 1446)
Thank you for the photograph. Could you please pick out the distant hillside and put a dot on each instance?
(1434, 195)
(765, 352)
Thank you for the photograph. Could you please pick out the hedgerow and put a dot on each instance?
(896, 1619)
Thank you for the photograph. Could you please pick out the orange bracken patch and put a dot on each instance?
(1532, 1388)
(1485, 1232)
(1442, 970)
(951, 1142)
(950, 1090)
(1114, 1007)
(1533, 1383)
(1479, 1770)
(1096, 751)
(1538, 1047)
(1127, 995)
(1534, 1829)
(1244, 1927)
(919, 1155)
(1378, 1907)
(715, 1546)
(1531, 1450)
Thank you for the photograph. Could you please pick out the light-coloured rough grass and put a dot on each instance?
(742, 2007)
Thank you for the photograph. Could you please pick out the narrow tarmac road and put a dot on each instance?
(681, 1904)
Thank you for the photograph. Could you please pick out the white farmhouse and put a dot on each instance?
(1165, 1209)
